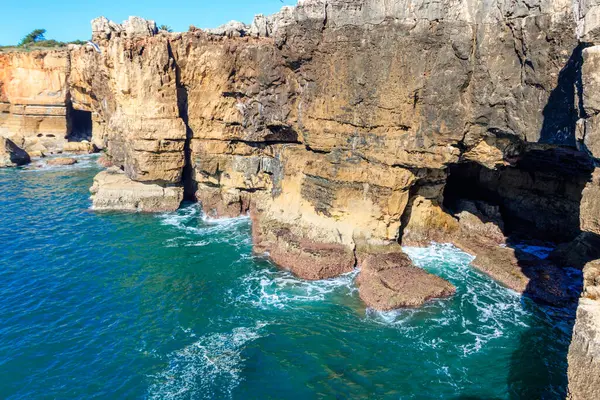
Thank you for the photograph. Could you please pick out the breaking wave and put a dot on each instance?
(201, 231)
(271, 288)
(484, 309)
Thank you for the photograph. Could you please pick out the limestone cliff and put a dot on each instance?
(346, 127)
(35, 108)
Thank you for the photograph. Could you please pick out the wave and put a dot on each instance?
(270, 288)
(209, 368)
(483, 310)
(84, 161)
(202, 231)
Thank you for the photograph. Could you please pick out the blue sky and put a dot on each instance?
(67, 20)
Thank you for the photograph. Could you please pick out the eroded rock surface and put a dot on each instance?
(584, 352)
(342, 122)
(113, 190)
(388, 280)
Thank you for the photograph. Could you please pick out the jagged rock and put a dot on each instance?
(327, 135)
(389, 280)
(306, 258)
(590, 205)
(272, 25)
(61, 161)
(230, 29)
(11, 155)
(104, 161)
(113, 190)
(584, 351)
(136, 27)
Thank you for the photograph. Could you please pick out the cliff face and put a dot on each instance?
(33, 98)
(332, 120)
(345, 127)
(35, 103)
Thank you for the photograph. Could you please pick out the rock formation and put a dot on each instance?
(113, 190)
(11, 155)
(61, 161)
(36, 112)
(584, 352)
(347, 127)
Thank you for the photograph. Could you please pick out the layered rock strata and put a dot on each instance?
(338, 124)
(584, 352)
(113, 190)
(35, 105)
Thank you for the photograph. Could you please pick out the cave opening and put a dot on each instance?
(538, 198)
(80, 125)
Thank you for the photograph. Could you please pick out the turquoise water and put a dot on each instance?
(113, 305)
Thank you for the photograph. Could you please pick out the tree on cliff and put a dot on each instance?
(165, 28)
(33, 37)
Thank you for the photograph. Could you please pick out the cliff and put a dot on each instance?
(347, 127)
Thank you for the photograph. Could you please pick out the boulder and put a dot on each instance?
(61, 161)
(79, 148)
(11, 155)
(104, 161)
(113, 190)
(389, 281)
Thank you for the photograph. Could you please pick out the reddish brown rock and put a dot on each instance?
(304, 258)
(104, 161)
(389, 280)
(61, 161)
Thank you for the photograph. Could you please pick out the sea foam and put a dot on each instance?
(208, 368)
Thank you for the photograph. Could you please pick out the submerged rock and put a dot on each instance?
(113, 190)
(11, 155)
(389, 281)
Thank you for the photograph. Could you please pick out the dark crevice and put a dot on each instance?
(406, 215)
(539, 202)
(189, 183)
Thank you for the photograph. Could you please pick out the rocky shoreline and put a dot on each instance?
(346, 129)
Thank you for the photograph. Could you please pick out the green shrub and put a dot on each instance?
(34, 36)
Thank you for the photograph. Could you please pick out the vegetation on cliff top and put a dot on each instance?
(36, 40)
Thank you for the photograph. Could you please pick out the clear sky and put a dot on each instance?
(67, 20)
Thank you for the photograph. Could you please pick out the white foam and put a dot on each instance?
(84, 161)
(485, 311)
(270, 288)
(201, 231)
(208, 368)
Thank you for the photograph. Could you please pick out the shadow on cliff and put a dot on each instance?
(542, 231)
(539, 201)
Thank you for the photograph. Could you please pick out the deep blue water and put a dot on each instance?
(116, 305)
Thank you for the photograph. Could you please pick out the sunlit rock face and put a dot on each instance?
(328, 119)
(33, 99)
(336, 123)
